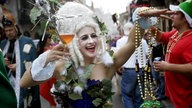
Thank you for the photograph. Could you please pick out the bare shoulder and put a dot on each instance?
(100, 71)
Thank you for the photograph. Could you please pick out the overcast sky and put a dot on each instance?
(111, 6)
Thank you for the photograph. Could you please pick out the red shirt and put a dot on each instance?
(178, 86)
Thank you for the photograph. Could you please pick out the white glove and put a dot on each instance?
(39, 71)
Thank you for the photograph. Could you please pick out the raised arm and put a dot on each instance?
(157, 13)
(163, 13)
(123, 54)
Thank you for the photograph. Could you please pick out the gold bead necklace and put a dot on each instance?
(148, 93)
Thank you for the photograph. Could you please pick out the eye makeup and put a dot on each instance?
(86, 36)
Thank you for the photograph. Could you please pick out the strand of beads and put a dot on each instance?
(151, 44)
(148, 92)
(137, 69)
(137, 35)
(150, 48)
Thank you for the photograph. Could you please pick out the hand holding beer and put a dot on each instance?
(160, 65)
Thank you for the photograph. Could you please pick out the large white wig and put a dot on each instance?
(72, 17)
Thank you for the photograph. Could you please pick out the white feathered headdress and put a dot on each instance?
(73, 16)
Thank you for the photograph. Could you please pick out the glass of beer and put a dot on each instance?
(66, 38)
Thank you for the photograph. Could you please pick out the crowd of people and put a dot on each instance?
(79, 74)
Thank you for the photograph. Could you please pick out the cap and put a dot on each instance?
(184, 7)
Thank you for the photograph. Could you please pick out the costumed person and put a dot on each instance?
(8, 97)
(130, 91)
(178, 59)
(44, 45)
(84, 73)
(19, 52)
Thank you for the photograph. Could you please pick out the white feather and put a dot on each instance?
(106, 59)
(78, 89)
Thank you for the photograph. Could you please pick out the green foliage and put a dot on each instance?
(102, 25)
(151, 104)
(56, 2)
(43, 24)
(97, 101)
(87, 73)
(41, 14)
(102, 92)
(111, 52)
(71, 73)
(107, 105)
(34, 14)
(74, 96)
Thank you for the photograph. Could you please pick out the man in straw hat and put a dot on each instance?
(178, 61)
(92, 62)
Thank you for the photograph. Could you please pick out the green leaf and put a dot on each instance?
(43, 24)
(107, 86)
(102, 25)
(107, 105)
(111, 52)
(97, 101)
(74, 96)
(71, 74)
(34, 14)
(88, 69)
(79, 83)
(151, 104)
(55, 1)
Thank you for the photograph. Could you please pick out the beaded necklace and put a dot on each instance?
(146, 91)
(175, 38)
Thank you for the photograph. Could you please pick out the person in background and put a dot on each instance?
(114, 40)
(45, 87)
(19, 52)
(178, 59)
(130, 91)
(7, 94)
